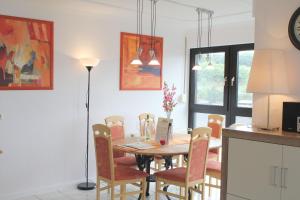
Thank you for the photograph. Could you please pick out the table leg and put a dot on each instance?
(143, 163)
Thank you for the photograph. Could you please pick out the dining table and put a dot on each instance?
(146, 150)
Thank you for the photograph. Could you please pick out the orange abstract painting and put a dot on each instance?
(140, 77)
(26, 54)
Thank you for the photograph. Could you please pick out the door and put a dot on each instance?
(253, 169)
(220, 88)
(290, 173)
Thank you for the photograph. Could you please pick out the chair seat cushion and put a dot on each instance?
(177, 174)
(127, 173)
(212, 156)
(125, 161)
(213, 165)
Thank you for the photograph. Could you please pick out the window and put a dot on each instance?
(220, 88)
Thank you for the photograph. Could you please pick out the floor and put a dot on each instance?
(72, 193)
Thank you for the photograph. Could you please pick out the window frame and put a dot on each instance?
(229, 108)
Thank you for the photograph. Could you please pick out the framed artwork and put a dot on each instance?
(140, 77)
(26, 54)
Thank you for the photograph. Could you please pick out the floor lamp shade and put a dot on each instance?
(268, 73)
(92, 62)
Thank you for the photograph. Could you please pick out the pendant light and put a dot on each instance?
(140, 5)
(209, 30)
(154, 60)
(199, 38)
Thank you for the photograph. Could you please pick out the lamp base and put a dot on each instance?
(86, 186)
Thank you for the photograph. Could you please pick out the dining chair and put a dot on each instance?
(213, 170)
(116, 125)
(192, 175)
(215, 123)
(111, 174)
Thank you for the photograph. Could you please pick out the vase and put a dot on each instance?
(168, 115)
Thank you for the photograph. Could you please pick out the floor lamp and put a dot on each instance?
(268, 76)
(89, 63)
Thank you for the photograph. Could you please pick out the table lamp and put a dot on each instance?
(268, 76)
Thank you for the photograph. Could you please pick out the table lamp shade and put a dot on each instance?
(92, 62)
(268, 73)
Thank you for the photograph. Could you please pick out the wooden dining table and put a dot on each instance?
(178, 145)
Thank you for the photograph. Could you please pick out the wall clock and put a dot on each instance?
(294, 28)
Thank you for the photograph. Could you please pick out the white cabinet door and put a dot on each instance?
(291, 174)
(231, 197)
(253, 169)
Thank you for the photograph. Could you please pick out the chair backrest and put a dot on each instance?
(215, 123)
(103, 150)
(143, 117)
(116, 125)
(199, 146)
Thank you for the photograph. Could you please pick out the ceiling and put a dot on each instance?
(234, 9)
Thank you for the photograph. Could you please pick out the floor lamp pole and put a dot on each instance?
(87, 185)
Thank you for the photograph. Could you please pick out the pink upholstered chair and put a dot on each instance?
(111, 174)
(116, 125)
(215, 123)
(194, 173)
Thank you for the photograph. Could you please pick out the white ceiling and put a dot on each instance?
(234, 9)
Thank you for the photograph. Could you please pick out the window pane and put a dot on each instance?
(201, 119)
(244, 99)
(209, 84)
(243, 120)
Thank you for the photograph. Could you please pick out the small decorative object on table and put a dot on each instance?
(168, 101)
(147, 129)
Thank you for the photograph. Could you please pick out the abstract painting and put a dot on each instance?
(140, 77)
(26, 54)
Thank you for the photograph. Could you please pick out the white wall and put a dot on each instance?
(271, 31)
(43, 133)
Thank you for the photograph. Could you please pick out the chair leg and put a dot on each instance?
(159, 165)
(191, 193)
(112, 191)
(98, 189)
(157, 189)
(180, 190)
(203, 191)
(186, 193)
(122, 192)
(144, 186)
(209, 187)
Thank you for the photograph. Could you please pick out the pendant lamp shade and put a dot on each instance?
(268, 73)
(154, 60)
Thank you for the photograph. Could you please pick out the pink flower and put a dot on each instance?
(168, 100)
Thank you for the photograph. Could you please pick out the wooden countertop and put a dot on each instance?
(256, 134)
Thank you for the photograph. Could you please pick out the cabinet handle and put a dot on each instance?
(283, 173)
(273, 176)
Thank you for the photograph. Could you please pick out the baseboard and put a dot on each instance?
(41, 190)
